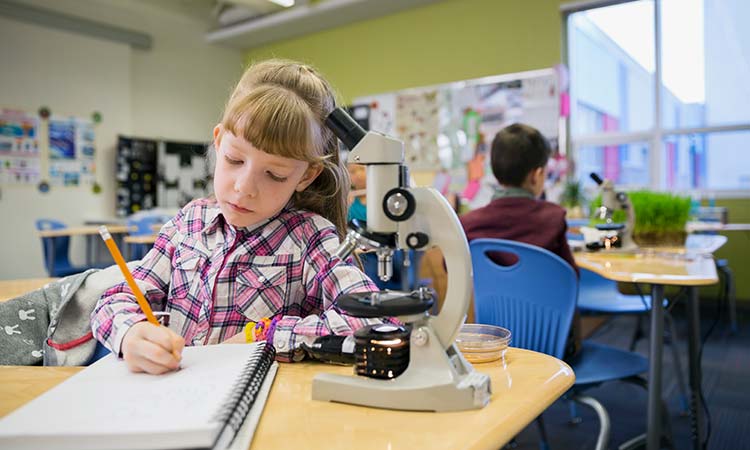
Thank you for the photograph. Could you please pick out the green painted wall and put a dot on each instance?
(457, 40)
(446, 41)
(737, 249)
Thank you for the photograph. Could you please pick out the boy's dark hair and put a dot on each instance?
(517, 150)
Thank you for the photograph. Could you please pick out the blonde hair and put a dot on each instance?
(280, 107)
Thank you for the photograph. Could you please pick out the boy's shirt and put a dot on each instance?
(213, 278)
(515, 214)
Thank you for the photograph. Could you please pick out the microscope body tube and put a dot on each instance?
(609, 196)
(381, 178)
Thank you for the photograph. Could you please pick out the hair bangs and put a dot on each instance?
(276, 121)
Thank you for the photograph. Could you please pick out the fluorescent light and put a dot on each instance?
(284, 3)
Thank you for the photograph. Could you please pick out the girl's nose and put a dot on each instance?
(245, 185)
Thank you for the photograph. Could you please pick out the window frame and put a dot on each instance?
(656, 135)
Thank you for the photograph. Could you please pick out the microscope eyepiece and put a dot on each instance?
(596, 178)
(345, 128)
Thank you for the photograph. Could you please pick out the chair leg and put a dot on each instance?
(637, 333)
(684, 407)
(544, 443)
(731, 297)
(602, 441)
(575, 418)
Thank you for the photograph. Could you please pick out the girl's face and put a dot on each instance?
(251, 185)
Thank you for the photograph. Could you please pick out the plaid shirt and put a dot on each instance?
(214, 278)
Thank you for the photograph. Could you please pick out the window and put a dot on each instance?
(695, 134)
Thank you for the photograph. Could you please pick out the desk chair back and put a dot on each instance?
(61, 263)
(142, 225)
(534, 298)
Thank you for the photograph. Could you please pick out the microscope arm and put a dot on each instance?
(435, 217)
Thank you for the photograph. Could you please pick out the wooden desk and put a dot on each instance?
(89, 232)
(13, 288)
(660, 268)
(83, 231)
(522, 389)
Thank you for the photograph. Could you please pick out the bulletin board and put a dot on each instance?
(184, 173)
(42, 150)
(447, 129)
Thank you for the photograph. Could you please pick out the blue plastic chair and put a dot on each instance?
(535, 298)
(60, 266)
(141, 224)
(100, 352)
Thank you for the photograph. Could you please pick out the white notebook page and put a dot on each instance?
(107, 406)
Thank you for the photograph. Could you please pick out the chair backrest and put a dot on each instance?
(60, 243)
(143, 223)
(534, 298)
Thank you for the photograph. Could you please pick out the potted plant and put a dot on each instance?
(660, 218)
(572, 199)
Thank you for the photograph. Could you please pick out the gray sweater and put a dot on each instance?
(51, 325)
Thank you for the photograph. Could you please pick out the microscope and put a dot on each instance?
(415, 366)
(614, 235)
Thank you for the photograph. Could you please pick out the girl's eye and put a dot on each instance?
(232, 161)
(276, 178)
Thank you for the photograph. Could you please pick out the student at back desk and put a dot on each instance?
(518, 158)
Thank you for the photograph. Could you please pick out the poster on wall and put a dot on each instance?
(448, 129)
(72, 151)
(19, 147)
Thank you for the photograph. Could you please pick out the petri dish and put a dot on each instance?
(480, 343)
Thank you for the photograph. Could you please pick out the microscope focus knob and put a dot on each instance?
(399, 204)
(417, 240)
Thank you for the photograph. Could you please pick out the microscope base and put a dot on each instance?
(436, 380)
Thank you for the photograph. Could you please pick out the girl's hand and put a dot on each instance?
(152, 349)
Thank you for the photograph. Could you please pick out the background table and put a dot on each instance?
(658, 268)
(89, 232)
(137, 241)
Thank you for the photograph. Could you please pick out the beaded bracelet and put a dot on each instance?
(261, 330)
(249, 336)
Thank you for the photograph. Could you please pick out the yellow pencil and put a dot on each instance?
(145, 307)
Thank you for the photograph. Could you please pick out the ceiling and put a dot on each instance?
(245, 24)
(239, 24)
(218, 13)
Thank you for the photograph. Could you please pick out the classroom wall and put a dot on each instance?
(175, 91)
(442, 42)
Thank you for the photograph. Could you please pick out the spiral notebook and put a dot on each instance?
(219, 391)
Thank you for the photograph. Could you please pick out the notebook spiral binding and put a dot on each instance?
(246, 388)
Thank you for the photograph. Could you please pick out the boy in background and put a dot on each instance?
(518, 158)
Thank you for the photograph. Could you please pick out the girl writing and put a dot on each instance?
(255, 260)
